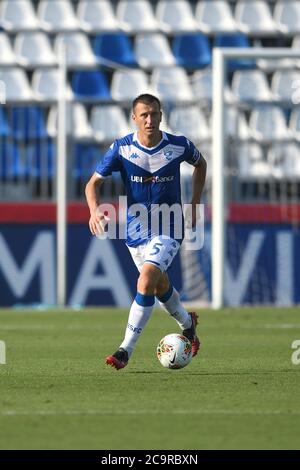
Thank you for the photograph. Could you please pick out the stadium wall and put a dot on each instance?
(260, 265)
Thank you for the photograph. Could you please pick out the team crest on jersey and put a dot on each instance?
(168, 152)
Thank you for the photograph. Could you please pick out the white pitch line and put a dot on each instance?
(146, 412)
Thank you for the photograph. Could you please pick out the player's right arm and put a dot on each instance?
(92, 198)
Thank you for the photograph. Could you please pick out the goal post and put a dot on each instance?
(220, 58)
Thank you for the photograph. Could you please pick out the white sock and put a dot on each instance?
(138, 317)
(175, 308)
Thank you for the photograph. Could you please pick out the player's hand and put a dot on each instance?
(98, 222)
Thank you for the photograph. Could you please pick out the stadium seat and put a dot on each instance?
(108, 123)
(287, 16)
(236, 126)
(7, 56)
(171, 84)
(27, 123)
(201, 82)
(45, 85)
(11, 165)
(284, 85)
(33, 49)
(234, 40)
(175, 16)
(114, 47)
(57, 16)
(16, 84)
(268, 123)
(215, 17)
(284, 160)
(77, 122)
(251, 162)
(41, 158)
(254, 18)
(153, 50)
(136, 16)
(189, 121)
(192, 51)
(127, 84)
(87, 156)
(96, 16)
(78, 49)
(271, 65)
(18, 15)
(90, 85)
(4, 126)
(251, 85)
(294, 123)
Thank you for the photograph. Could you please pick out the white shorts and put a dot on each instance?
(160, 251)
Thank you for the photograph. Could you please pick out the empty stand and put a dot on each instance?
(18, 15)
(33, 49)
(108, 123)
(7, 55)
(192, 50)
(189, 121)
(268, 123)
(114, 47)
(251, 85)
(16, 84)
(171, 84)
(153, 50)
(90, 85)
(176, 16)
(255, 18)
(79, 52)
(127, 84)
(215, 17)
(56, 16)
(287, 16)
(46, 85)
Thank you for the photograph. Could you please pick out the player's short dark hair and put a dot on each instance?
(145, 98)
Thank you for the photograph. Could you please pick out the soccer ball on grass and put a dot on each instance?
(174, 351)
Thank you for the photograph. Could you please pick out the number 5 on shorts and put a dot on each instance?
(156, 249)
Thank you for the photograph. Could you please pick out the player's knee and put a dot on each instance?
(147, 284)
(162, 287)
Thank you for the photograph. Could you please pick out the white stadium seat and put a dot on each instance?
(189, 121)
(127, 84)
(176, 16)
(153, 50)
(57, 15)
(236, 125)
(287, 16)
(46, 86)
(284, 160)
(18, 15)
(171, 83)
(251, 85)
(136, 16)
(201, 82)
(254, 18)
(96, 16)
(284, 83)
(251, 162)
(33, 49)
(108, 123)
(7, 55)
(215, 17)
(17, 87)
(268, 123)
(294, 124)
(77, 122)
(78, 49)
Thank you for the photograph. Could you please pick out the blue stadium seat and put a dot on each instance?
(41, 158)
(234, 40)
(192, 50)
(11, 166)
(90, 84)
(4, 127)
(86, 158)
(115, 47)
(27, 123)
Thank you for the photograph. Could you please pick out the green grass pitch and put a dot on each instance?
(240, 392)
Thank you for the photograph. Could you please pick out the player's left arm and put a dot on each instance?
(198, 181)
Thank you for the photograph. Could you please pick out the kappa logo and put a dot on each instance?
(151, 179)
(134, 155)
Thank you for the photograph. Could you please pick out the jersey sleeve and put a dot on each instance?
(110, 161)
(192, 154)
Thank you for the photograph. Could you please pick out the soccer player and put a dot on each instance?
(149, 162)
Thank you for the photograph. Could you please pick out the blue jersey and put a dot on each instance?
(151, 177)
